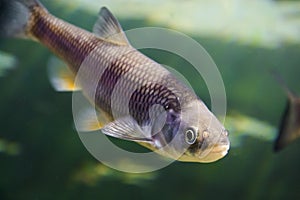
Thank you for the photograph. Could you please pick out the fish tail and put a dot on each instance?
(15, 17)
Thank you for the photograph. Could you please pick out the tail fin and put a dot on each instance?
(14, 15)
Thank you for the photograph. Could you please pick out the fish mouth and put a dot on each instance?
(220, 149)
(212, 154)
(215, 153)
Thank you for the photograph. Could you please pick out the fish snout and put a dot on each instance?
(215, 147)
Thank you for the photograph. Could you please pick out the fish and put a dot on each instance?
(136, 98)
(289, 129)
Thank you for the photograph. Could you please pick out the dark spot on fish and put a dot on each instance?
(107, 83)
(141, 100)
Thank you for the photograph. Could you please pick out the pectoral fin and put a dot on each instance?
(127, 128)
(61, 78)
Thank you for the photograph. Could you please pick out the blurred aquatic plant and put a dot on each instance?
(9, 147)
(263, 23)
(241, 126)
(92, 173)
(7, 62)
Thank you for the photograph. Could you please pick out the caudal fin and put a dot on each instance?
(14, 16)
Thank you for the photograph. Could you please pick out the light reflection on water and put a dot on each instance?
(263, 23)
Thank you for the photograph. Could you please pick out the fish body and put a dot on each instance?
(289, 130)
(140, 100)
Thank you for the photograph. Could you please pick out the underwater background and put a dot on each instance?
(42, 157)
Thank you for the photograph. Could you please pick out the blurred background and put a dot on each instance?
(42, 157)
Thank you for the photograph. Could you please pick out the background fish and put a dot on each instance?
(289, 129)
(161, 112)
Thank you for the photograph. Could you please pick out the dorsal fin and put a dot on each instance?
(108, 27)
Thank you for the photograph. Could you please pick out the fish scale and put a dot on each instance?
(136, 80)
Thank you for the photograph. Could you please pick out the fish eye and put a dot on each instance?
(190, 135)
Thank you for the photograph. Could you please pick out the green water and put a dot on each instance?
(42, 157)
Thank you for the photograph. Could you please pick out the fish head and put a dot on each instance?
(206, 137)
